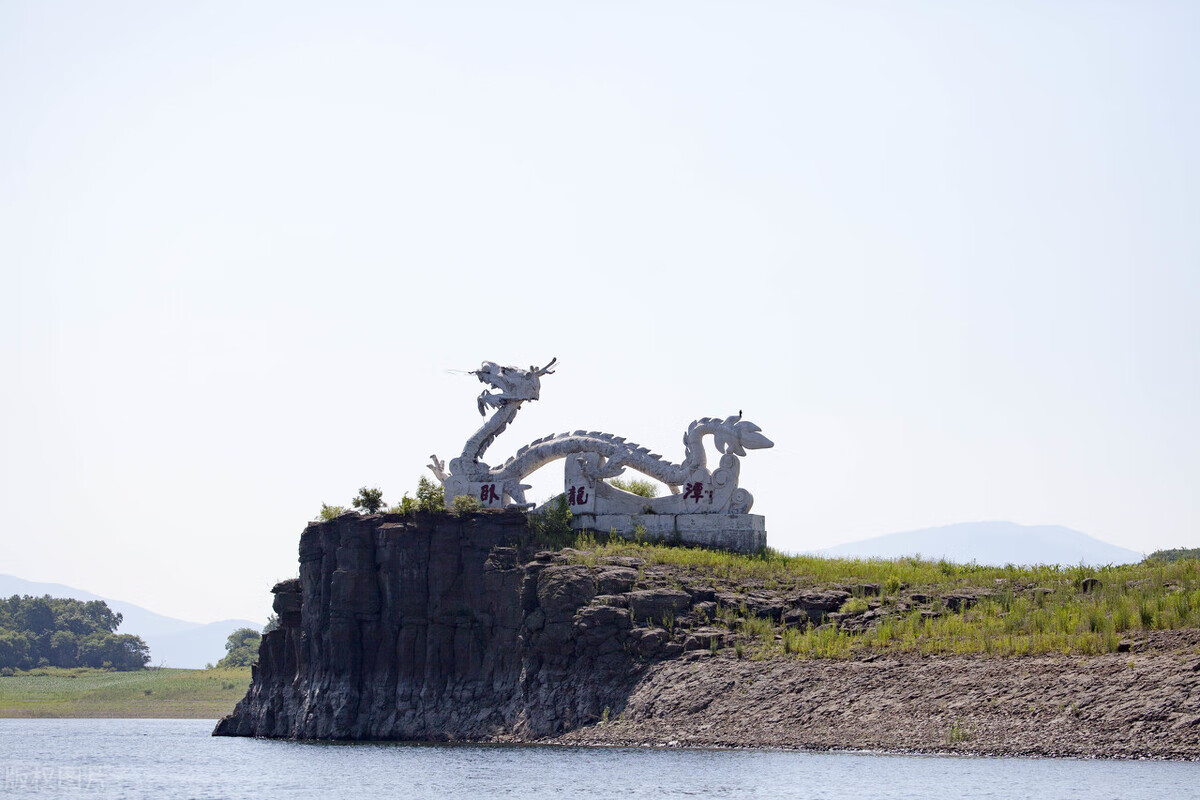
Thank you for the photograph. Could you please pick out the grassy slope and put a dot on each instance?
(1018, 611)
(150, 693)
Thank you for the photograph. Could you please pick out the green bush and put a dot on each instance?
(552, 528)
(241, 648)
(465, 504)
(431, 498)
(407, 505)
(855, 605)
(329, 512)
(636, 486)
(368, 500)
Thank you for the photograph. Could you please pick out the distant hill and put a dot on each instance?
(991, 543)
(173, 642)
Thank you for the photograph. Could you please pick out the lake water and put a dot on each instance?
(169, 759)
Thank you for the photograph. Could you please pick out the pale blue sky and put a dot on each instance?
(945, 254)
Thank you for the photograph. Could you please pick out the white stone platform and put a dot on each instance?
(741, 533)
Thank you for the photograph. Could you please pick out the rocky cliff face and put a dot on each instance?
(430, 628)
(437, 628)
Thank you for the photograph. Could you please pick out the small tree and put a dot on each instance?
(431, 497)
(241, 648)
(407, 505)
(369, 500)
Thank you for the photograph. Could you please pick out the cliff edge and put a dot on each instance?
(429, 628)
(445, 628)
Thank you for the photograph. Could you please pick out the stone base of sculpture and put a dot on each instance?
(741, 533)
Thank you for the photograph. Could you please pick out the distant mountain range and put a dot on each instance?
(996, 543)
(173, 642)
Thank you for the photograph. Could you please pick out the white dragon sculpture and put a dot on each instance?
(694, 488)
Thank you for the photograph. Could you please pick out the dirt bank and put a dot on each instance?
(1120, 705)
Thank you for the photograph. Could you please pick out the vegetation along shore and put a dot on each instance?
(146, 693)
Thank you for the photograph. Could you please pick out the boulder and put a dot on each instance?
(818, 603)
(704, 611)
(798, 618)
(648, 642)
(961, 602)
(601, 629)
(615, 580)
(703, 638)
(562, 589)
(290, 586)
(288, 602)
(656, 604)
(632, 562)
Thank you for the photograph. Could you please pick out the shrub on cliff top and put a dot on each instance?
(329, 512)
(430, 496)
(407, 505)
(552, 527)
(465, 504)
(369, 500)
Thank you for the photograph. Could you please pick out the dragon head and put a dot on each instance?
(736, 435)
(512, 384)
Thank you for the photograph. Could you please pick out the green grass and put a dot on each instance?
(1030, 610)
(149, 693)
(774, 568)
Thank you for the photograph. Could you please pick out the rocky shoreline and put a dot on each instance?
(1105, 706)
(444, 628)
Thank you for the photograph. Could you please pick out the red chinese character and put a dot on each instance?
(577, 497)
(487, 493)
(693, 490)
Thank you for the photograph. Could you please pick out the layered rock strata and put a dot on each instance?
(429, 628)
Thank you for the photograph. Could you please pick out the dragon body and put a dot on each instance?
(593, 456)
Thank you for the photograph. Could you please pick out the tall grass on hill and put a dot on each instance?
(1024, 610)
